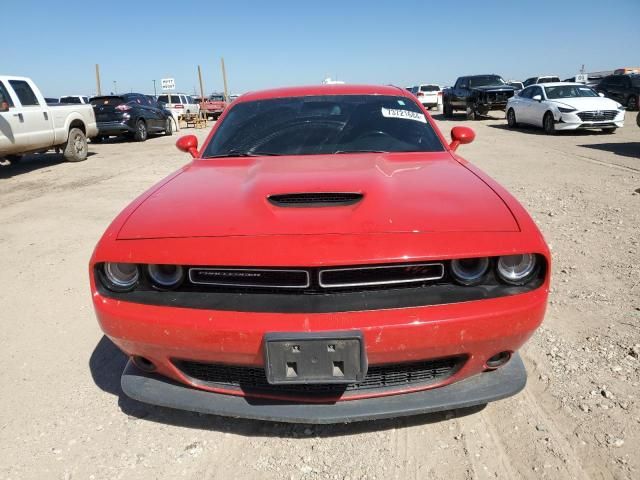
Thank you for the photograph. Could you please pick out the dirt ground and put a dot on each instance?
(64, 416)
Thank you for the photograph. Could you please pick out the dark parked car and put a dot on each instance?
(624, 89)
(131, 114)
(477, 95)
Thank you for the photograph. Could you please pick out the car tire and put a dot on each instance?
(511, 118)
(141, 133)
(75, 150)
(168, 127)
(447, 111)
(471, 113)
(609, 130)
(549, 124)
(632, 103)
(638, 119)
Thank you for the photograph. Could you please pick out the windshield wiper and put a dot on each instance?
(238, 153)
(338, 152)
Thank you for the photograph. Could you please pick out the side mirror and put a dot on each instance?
(189, 144)
(537, 98)
(4, 106)
(461, 136)
(601, 94)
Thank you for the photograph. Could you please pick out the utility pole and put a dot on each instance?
(98, 89)
(201, 87)
(115, 87)
(155, 94)
(224, 78)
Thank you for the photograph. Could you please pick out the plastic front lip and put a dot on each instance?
(478, 329)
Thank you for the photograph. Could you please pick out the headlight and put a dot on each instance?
(166, 276)
(517, 269)
(621, 107)
(469, 271)
(566, 109)
(121, 276)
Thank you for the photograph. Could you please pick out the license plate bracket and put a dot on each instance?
(314, 357)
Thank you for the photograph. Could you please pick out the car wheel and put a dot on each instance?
(511, 118)
(471, 113)
(632, 103)
(141, 131)
(75, 150)
(168, 127)
(549, 123)
(447, 110)
(609, 130)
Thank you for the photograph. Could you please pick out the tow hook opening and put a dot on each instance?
(498, 360)
(143, 363)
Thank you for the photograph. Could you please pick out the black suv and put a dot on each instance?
(131, 114)
(624, 89)
(476, 94)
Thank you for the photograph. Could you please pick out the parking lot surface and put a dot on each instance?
(64, 416)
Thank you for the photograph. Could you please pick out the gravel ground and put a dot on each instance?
(63, 415)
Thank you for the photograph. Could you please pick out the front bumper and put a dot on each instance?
(476, 330)
(477, 390)
(571, 121)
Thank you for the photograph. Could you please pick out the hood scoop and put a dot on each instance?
(315, 199)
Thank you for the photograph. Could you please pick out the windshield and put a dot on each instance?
(429, 88)
(484, 80)
(569, 91)
(70, 100)
(324, 125)
(216, 98)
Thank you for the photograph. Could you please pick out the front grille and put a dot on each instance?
(250, 277)
(598, 116)
(385, 275)
(498, 97)
(317, 199)
(384, 377)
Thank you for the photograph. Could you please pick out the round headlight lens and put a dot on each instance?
(469, 271)
(121, 276)
(166, 276)
(517, 269)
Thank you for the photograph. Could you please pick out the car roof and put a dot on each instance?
(335, 89)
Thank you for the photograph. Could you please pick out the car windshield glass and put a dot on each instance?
(70, 100)
(216, 98)
(324, 125)
(110, 101)
(569, 91)
(484, 80)
(429, 88)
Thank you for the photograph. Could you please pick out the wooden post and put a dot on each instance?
(98, 89)
(224, 78)
(202, 114)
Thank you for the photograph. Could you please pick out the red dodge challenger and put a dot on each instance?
(325, 257)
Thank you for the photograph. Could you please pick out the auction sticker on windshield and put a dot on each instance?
(405, 114)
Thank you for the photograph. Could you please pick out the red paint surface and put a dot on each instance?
(417, 206)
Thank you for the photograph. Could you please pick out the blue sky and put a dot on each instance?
(279, 43)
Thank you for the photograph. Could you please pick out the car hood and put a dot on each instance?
(428, 192)
(588, 103)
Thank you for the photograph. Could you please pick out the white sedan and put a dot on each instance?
(564, 106)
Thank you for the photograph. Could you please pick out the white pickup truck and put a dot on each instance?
(28, 124)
